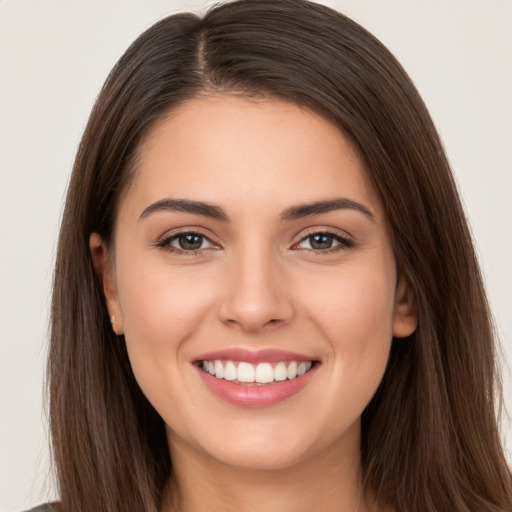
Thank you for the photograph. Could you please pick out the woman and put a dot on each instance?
(265, 292)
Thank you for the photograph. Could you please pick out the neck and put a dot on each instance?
(328, 481)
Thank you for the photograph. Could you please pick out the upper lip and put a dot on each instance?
(268, 355)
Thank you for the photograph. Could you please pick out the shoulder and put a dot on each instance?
(47, 507)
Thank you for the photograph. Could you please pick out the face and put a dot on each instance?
(254, 280)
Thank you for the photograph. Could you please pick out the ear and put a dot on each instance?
(405, 314)
(105, 269)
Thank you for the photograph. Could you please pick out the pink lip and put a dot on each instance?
(252, 395)
(254, 357)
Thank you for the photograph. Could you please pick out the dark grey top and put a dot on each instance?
(47, 507)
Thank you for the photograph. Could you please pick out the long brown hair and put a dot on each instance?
(430, 440)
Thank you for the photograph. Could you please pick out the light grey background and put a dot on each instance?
(54, 57)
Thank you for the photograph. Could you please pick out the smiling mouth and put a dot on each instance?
(241, 372)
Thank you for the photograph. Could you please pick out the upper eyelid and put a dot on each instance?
(195, 233)
(327, 231)
(344, 243)
(165, 243)
(172, 234)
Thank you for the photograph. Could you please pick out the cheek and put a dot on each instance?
(356, 320)
(354, 305)
(161, 301)
(161, 312)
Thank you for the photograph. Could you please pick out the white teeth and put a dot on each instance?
(262, 373)
(219, 370)
(245, 372)
(280, 372)
(291, 372)
(230, 371)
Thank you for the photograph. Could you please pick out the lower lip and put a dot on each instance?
(252, 395)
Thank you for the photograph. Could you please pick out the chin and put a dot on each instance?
(249, 456)
(272, 446)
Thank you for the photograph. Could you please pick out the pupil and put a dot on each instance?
(190, 242)
(321, 241)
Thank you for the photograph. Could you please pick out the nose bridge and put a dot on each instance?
(256, 295)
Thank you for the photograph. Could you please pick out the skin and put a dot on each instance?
(256, 283)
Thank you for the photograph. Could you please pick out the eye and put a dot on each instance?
(186, 242)
(324, 242)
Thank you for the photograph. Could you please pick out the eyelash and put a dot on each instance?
(344, 243)
(165, 244)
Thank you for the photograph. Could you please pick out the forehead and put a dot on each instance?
(223, 148)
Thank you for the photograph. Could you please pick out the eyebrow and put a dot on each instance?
(319, 207)
(187, 206)
(293, 213)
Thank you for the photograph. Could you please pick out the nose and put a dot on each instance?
(257, 295)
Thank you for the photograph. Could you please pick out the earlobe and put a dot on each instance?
(105, 270)
(405, 315)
